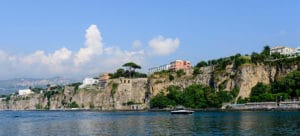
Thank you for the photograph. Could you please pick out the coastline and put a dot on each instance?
(166, 110)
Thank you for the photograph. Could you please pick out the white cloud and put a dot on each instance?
(94, 46)
(136, 44)
(91, 60)
(164, 46)
(115, 57)
(3, 56)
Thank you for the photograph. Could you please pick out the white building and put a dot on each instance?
(88, 81)
(283, 50)
(25, 92)
(297, 51)
(160, 68)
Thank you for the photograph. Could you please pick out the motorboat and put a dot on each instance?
(181, 110)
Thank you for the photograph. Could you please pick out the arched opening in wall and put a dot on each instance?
(128, 81)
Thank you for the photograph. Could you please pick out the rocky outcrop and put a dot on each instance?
(244, 78)
(129, 94)
(119, 94)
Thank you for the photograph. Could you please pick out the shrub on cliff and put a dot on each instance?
(72, 105)
(194, 96)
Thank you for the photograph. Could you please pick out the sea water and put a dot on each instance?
(85, 123)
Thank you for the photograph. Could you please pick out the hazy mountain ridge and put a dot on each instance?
(13, 85)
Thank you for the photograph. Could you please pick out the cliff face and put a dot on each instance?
(119, 94)
(128, 94)
(244, 78)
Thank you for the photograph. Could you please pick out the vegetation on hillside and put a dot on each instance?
(263, 57)
(285, 88)
(129, 73)
(195, 96)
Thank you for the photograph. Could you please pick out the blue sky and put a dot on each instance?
(194, 30)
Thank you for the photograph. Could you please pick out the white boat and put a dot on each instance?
(181, 110)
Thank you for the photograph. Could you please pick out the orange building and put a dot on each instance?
(104, 77)
(180, 64)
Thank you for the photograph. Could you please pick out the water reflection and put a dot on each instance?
(149, 123)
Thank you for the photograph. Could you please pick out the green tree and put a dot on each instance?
(290, 85)
(201, 64)
(260, 88)
(196, 71)
(171, 77)
(161, 101)
(193, 97)
(131, 67)
(174, 94)
(180, 73)
(266, 51)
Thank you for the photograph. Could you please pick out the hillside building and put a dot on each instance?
(25, 92)
(297, 51)
(173, 66)
(283, 50)
(88, 81)
(160, 68)
(103, 79)
(180, 64)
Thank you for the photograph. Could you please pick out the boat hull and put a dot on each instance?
(182, 112)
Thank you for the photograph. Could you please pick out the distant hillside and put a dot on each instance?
(11, 86)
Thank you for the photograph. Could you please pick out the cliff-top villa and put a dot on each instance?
(173, 66)
(25, 92)
(103, 79)
(283, 50)
(89, 81)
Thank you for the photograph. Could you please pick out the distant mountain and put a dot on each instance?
(13, 85)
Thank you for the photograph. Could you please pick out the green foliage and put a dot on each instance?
(63, 102)
(48, 94)
(266, 51)
(75, 85)
(222, 86)
(225, 96)
(160, 101)
(290, 85)
(241, 100)
(39, 107)
(175, 94)
(2, 96)
(158, 81)
(201, 64)
(131, 103)
(114, 89)
(234, 92)
(126, 73)
(240, 60)
(37, 89)
(260, 88)
(196, 71)
(171, 77)
(8, 98)
(282, 89)
(91, 105)
(72, 105)
(194, 96)
(180, 73)
(131, 69)
(257, 58)
(132, 66)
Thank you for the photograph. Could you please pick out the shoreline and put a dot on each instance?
(165, 110)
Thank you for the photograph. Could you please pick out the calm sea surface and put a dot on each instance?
(148, 123)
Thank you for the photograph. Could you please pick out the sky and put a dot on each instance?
(75, 39)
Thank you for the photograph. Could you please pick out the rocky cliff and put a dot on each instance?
(118, 94)
(245, 77)
(129, 94)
